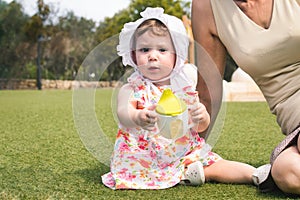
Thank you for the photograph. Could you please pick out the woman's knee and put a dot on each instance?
(286, 171)
(289, 182)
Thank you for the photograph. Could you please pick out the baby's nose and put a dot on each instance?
(153, 54)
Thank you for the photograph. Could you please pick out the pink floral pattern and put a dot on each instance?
(144, 160)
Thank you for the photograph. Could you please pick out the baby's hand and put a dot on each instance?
(198, 113)
(147, 118)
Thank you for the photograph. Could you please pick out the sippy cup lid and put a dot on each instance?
(169, 104)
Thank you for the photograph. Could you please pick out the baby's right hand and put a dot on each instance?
(147, 118)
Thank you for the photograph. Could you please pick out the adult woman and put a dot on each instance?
(263, 37)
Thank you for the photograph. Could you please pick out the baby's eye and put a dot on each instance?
(144, 50)
(163, 50)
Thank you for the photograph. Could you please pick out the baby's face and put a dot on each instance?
(155, 55)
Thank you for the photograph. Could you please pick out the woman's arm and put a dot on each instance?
(130, 116)
(210, 53)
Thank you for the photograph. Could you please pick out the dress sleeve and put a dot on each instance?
(190, 71)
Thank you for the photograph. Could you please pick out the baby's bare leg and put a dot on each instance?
(226, 171)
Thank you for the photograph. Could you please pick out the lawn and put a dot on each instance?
(43, 157)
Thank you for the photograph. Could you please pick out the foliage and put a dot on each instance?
(70, 43)
(13, 54)
(42, 156)
(112, 26)
(66, 40)
(138, 6)
(35, 27)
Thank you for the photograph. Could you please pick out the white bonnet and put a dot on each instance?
(174, 25)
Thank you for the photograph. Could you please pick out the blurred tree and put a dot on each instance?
(72, 41)
(137, 6)
(36, 27)
(12, 21)
(112, 26)
(3, 5)
(37, 32)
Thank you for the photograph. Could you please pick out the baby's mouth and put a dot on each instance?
(153, 67)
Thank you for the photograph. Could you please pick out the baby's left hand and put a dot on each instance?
(198, 113)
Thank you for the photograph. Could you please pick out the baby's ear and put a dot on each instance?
(133, 56)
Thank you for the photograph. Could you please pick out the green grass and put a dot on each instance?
(42, 156)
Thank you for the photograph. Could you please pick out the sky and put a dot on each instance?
(90, 9)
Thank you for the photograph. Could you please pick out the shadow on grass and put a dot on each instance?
(93, 175)
(278, 195)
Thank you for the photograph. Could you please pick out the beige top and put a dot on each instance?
(270, 56)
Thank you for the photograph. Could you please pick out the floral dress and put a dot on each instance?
(146, 160)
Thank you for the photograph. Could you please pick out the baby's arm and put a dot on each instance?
(199, 116)
(128, 113)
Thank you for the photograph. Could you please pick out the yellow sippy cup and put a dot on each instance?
(173, 115)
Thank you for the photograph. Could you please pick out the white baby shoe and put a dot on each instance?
(261, 174)
(194, 175)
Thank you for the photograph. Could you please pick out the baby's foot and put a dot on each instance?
(194, 174)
